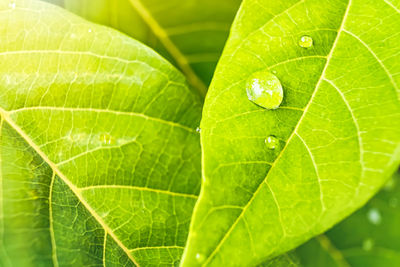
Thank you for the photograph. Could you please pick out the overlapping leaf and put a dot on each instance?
(191, 34)
(339, 127)
(100, 160)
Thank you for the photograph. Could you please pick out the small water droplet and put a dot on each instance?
(393, 202)
(374, 216)
(272, 142)
(12, 4)
(264, 89)
(200, 257)
(90, 30)
(306, 41)
(107, 139)
(274, 71)
(198, 129)
(368, 244)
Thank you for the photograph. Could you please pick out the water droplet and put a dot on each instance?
(107, 139)
(198, 129)
(90, 30)
(274, 71)
(264, 89)
(12, 4)
(200, 257)
(272, 142)
(393, 202)
(368, 244)
(306, 41)
(374, 216)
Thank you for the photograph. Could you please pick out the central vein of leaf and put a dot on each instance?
(329, 57)
(5, 116)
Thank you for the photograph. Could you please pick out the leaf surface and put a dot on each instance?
(99, 157)
(191, 34)
(370, 237)
(338, 126)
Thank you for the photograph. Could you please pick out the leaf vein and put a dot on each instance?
(73, 188)
(126, 113)
(289, 139)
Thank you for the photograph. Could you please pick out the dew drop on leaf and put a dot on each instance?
(264, 89)
(306, 41)
(271, 142)
(374, 216)
(198, 129)
(368, 244)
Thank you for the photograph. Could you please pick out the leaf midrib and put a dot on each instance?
(72, 187)
(172, 49)
(329, 57)
(116, 112)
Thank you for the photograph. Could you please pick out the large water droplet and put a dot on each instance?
(374, 216)
(368, 244)
(306, 41)
(200, 257)
(271, 142)
(264, 89)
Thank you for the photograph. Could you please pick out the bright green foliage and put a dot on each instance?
(339, 126)
(99, 157)
(359, 241)
(190, 33)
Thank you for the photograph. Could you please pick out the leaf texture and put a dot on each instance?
(99, 157)
(339, 127)
(191, 34)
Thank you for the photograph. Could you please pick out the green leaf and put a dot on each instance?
(191, 34)
(338, 126)
(370, 237)
(99, 156)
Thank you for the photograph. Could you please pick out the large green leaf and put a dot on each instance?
(370, 237)
(191, 34)
(100, 160)
(338, 126)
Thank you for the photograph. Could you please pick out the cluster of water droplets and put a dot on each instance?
(264, 89)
